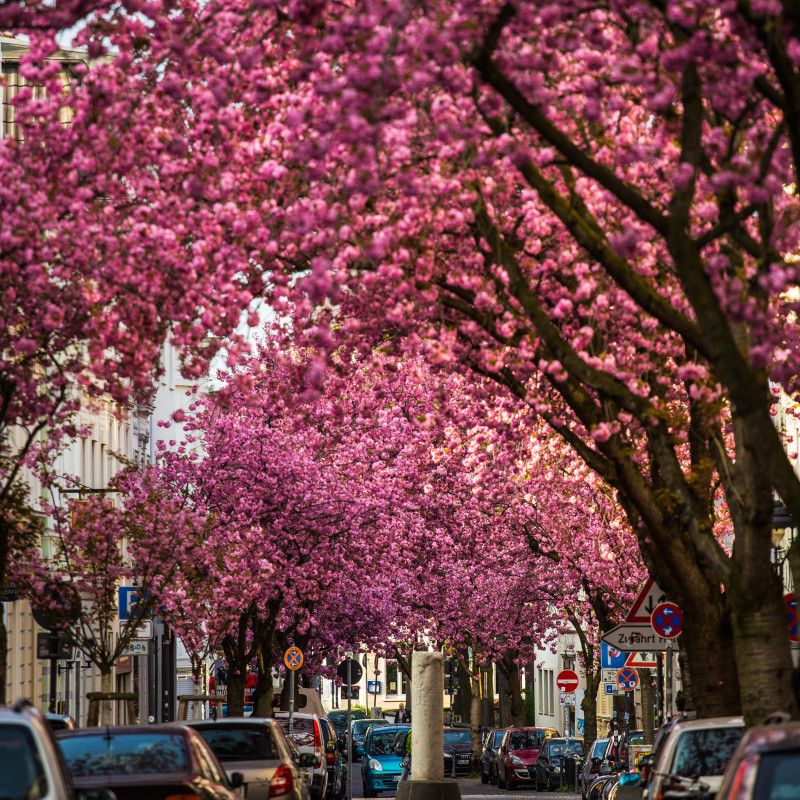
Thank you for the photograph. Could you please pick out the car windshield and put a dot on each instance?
(705, 752)
(777, 776)
(339, 718)
(599, 748)
(20, 765)
(381, 743)
(456, 737)
(113, 753)
(302, 730)
(360, 726)
(245, 743)
(560, 747)
(524, 740)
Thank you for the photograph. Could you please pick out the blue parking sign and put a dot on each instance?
(611, 658)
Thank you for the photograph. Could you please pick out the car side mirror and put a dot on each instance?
(330, 747)
(307, 760)
(237, 780)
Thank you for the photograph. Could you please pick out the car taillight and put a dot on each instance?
(331, 758)
(743, 782)
(281, 782)
(317, 745)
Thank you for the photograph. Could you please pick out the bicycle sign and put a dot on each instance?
(293, 658)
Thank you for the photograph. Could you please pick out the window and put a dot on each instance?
(21, 764)
(396, 681)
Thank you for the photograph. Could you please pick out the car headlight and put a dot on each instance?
(373, 763)
(516, 761)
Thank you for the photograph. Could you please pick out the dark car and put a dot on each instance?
(594, 764)
(333, 760)
(516, 759)
(551, 763)
(339, 718)
(491, 745)
(358, 733)
(258, 749)
(154, 761)
(457, 751)
(765, 764)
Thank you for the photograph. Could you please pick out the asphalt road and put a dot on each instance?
(473, 788)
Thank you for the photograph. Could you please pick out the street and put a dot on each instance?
(472, 787)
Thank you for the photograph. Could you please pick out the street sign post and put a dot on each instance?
(667, 620)
(627, 679)
(567, 680)
(634, 637)
(293, 658)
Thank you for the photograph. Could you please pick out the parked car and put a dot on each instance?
(154, 761)
(695, 751)
(59, 722)
(457, 751)
(765, 764)
(358, 733)
(551, 761)
(339, 718)
(30, 762)
(333, 760)
(258, 749)
(380, 768)
(307, 735)
(594, 765)
(516, 760)
(491, 746)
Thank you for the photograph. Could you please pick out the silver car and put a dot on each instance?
(30, 765)
(307, 735)
(271, 765)
(694, 755)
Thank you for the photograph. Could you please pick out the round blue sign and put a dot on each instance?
(667, 620)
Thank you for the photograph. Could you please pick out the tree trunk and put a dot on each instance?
(475, 715)
(589, 706)
(462, 699)
(106, 709)
(648, 698)
(511, 686)
(764, 661)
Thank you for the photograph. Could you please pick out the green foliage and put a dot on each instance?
(529, 699)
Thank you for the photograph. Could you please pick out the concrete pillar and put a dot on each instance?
(427, 719)
(427, 733)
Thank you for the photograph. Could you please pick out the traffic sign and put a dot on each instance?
(137, 647)
(355, 671)
(637, 659)
(632, 638)
(567, 680)
(791, 608)
(293, 658)
(645, 603)
(627, 679)
(667, 620)
(567, 698)
(52, 645)
(611, 658)
(609, 688)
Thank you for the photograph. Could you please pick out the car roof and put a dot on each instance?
(221, 721)
(708, 722)
(771, 737)
(105, 730)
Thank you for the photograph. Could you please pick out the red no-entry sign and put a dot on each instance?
(567, 680)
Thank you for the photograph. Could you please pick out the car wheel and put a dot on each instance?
(484, 776)
(501, 784)
(539, 786)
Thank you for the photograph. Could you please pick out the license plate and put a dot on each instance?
(395, 777)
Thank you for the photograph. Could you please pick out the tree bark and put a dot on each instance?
(476, 714)
(648, 697)
(106, 709)
(511, 686)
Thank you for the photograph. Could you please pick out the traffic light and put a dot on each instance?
(450, 676)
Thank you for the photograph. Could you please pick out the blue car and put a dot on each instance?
(380, 769)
